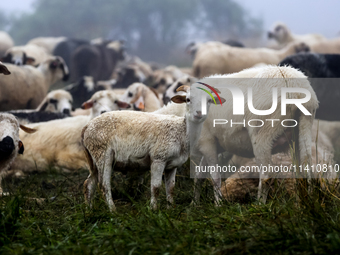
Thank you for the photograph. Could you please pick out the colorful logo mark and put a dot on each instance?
(213, 90)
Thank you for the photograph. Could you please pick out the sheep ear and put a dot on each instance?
(179, 99)
(27, 129)
(30, 60)
(87, 105)
(123, 105)
(184, 88)
(3, 69)
(21, 147)
(222, 100)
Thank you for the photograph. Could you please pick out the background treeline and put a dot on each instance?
(153, 29)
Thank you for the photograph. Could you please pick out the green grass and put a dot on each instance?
(60, 223)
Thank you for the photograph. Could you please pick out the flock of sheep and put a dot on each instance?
(117, 110)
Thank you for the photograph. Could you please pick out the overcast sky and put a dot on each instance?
(302, 16)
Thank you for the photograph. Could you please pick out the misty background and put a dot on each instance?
(159, 30)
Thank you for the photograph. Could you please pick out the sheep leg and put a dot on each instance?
(90, 188)
(170, 178)
(105, 180)
(157, 169)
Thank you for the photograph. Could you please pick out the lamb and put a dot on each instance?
(58, 142)
(283, 36)
(26, 55)
(48, 43)
(218, 58)
(56, 105)
(10, 143)
(138, 140)
(32, 83)
(261, 141)
(6, 42)
(142, 96)
(238, 185)
(318, 66)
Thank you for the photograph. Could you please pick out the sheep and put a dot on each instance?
(6, 42)
(138, 140)
(48, 43)
(56, 105)
(98, 60)
(238, 185)
(171, 90)
(317, 67)
(218, 58)
(10, 143)
(27, 86)
(142, 96)
(283, 36)
(30, 54)
(330, 46)
(247, 140)
(58, 142)
(162, 78)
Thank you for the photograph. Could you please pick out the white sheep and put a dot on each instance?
(247, 140)
(27, 86)
(58, 141)
(138, 141)
(4, 69)
(29, 54)
(10, 143)
(171, 89)
(49, 43)
(283, 36)
(6, 42)
(142, 96)
(162, 78)
(56, 105)
(218, 58)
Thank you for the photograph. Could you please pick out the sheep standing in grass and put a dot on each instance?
(10, 143)
(27, 86)
(249, 140)
(138, 141)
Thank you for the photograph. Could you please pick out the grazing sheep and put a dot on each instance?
(249, 140)
(327, 90)
(98, 60)
(218, 58)
(142, 96)
(48, 43)
(283, 36)
(10, 143)
(240, 184)
(29, 54)
(56, 105)
(138, 141)
(27, 86)
(6, 42)
(58, 142)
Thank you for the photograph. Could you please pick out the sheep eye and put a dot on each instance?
(129, 94)
(95, 101)
(188, 100)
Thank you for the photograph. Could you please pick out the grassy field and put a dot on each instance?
(46, 214)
